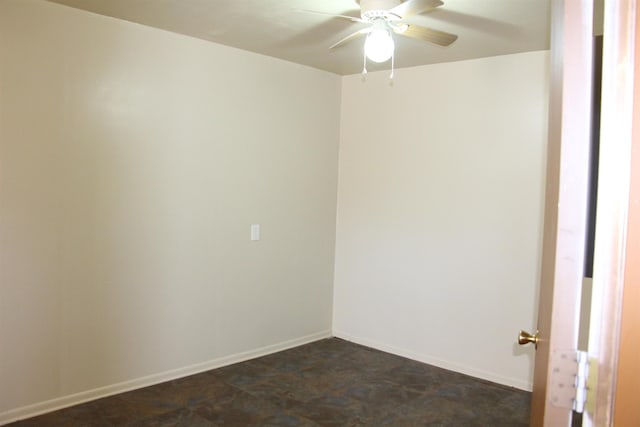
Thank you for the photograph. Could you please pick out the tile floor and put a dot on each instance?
(327, 383)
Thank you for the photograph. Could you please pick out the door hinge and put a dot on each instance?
(572, 374)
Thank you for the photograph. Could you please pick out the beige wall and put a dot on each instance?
(440, 199)
(132, 163)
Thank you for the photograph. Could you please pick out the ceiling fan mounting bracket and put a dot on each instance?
(374, 9)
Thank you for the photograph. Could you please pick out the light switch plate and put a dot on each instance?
(255, 232)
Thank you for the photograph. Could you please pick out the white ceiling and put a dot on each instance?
(274, 28)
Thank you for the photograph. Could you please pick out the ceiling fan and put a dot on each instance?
(386, 17)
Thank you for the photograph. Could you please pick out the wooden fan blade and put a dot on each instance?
(414, 7)
(427, 34)
(352, 36)
(315, 12)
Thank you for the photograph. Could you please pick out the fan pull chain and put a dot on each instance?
(393, 60)
(364, 67)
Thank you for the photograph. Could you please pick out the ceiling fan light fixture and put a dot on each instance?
(379, 45)
(383, 19)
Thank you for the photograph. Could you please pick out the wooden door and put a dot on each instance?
(626, 409)
(563, 244)
(566, 200)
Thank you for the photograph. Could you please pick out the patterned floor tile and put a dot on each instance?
(180, 418)
(331, 382)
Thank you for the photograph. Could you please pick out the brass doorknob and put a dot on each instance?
(526, 338)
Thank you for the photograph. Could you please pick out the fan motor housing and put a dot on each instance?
(372, 9)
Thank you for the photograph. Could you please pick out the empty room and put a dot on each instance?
(239, 213)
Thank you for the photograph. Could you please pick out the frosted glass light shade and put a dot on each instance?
(379, 45)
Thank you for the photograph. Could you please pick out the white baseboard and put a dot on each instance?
(98, 393)
(467, 370)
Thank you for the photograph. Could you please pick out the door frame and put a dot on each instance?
(614, 189)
